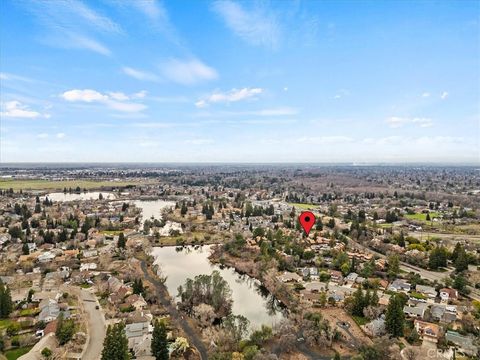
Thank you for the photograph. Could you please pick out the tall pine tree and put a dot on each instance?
(159, 341)
(5, 301)
(395, 318)
(115, 345)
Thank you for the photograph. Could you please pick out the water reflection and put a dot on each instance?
(250, 298)
(92, 195)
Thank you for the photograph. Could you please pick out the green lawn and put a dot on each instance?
(36, 184)
(5, 322)
(16, 353)
(422, 216)
(303, 206)
(29, 312)
(111, 232)
(360, 320)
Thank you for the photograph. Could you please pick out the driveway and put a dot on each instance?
(96, 326)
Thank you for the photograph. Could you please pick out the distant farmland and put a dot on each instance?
(60, 185)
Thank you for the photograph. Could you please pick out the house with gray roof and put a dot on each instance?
(464, 343)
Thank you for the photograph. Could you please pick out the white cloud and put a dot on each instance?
(42, 136)
(120, 96)
(60, 135)
(140, 94)
(256, 26)
(396, 122)
(114, 100)
(139, 74)
(426, 94)
(70, 21)
(157, 16)
(15, 109)
(86, 95)
(229, 96)
(188, 72)
(444, 95)
(83, 42)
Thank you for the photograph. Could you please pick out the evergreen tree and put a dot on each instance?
(25, 250)
(184, 209)
(461, 261)
(65, 329)
(374, 300)
(393, 266)
(121, 241)
(401, 240)
(6, 305)
(395, 318)
(358, 302)
(438, 258)
(159, 341)
(137, 287)
(115, 345)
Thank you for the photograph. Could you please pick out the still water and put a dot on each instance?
(92, 195)
(152, 208)
(249, 298)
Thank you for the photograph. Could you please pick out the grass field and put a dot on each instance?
(360, 320)
(5, 322)
(422, 216)
(16, 353)
(60, 185)
(303, 206)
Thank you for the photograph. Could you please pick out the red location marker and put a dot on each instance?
(306, 219)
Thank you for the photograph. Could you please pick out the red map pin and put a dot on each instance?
(306, 219)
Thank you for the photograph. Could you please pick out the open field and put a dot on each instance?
(303, 206)
(60, 185)
(422, 216)
(16, 353)
(445, 237)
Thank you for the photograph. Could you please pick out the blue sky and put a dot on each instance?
(267, 81)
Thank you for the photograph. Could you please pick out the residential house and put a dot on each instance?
(309, 273)
(417, 311)
(376, 327)
(137, 301)
(427, 291)
(399, 285)
(351, 278)
(49, 311)
(289, 277)
(427, 331)
(444, 313)
(464, 343)
(448, 294)
(336, 277)
(46, 257)
(315, 286)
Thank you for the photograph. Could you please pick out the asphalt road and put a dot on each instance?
(175, 315)
(96, 326)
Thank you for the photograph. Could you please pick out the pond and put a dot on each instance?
(90, 195)
(152, 208)
(250, 299)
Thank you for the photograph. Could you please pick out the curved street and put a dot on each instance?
(96, 326)
(162, 293)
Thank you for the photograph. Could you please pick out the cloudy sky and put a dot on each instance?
(239, 81)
